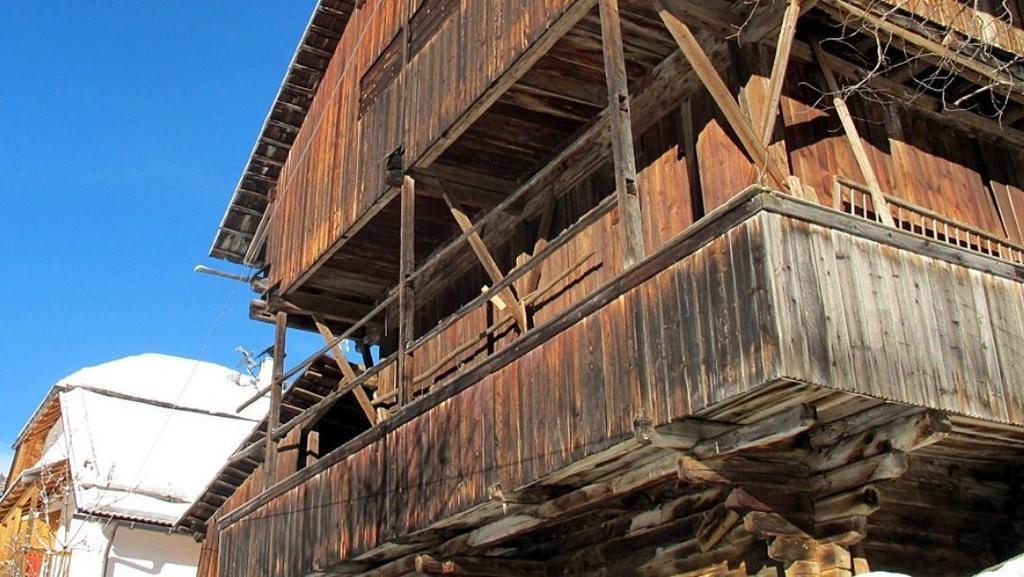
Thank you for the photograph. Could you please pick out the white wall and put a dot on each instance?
(102, 549)
(87, 540)
(141, 552)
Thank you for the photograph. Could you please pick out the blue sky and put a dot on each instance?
(125, 128)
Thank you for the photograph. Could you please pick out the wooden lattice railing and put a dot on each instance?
(855, 199)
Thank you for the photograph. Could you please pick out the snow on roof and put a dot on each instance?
(143, 435)
(1010, 568)
(179, 381)
(141, 461)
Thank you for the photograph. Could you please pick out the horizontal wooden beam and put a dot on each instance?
(905, 434)
(480, 566)
(769, 430)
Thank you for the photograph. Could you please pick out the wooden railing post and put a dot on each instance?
(630, 223)
(274, 412)
(406, 263)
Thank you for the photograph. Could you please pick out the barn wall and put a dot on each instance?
(335, 172)
(739, 303)
(574, 396)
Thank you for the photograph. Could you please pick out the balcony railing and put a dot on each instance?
(390, 380)
(855, 199)
(434, 370)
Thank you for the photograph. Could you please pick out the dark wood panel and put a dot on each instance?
(894, 324)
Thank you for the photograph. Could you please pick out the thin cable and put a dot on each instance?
(188, 381)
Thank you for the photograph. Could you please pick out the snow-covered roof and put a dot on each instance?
(1010, 568)
(143, 435)
(179, 381)
(141, 461)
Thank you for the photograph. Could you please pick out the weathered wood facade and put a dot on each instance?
(604, 346)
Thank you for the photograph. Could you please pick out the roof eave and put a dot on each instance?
(249, 203)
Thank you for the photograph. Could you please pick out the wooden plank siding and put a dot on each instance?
(896, 325)
(336, 168)
(766, 290)
(334, 178)
(972, 181)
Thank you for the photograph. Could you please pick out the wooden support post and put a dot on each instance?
(709, 76)
(859, 153)
(406, 308)
(490, 267)
(782, 50)
(630, 220)
(348, 375)
(274, 412)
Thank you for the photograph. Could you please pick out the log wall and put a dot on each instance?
(792, 292)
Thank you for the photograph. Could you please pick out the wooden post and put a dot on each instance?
(859, 153)
(274, 412)
(688, 138)
(406, 263)
(630, 223)
(543, 231)
(312, 447)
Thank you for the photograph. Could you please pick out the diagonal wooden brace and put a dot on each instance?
(490, 267)
(348, 375)
(709, 76)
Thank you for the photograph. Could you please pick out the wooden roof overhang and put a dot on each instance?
(547, 126)
(308, 390)
(240, 228)
(16, 490)
(44, 416)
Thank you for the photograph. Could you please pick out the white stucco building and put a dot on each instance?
(110, 460)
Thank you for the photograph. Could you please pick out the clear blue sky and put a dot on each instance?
(125, 126)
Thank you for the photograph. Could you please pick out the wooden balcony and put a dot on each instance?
(766, 305)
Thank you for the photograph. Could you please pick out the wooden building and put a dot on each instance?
(643, 287)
